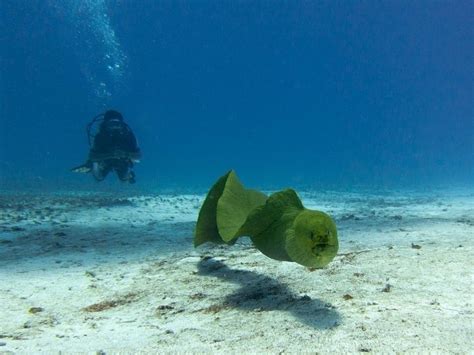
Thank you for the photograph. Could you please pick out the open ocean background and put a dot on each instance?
(324, 94)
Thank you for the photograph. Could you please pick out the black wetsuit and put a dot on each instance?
(115, 148)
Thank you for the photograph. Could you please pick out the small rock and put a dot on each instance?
(387, 288)
(165, 307)
(348, 216)
(34, 310)
(197, 296)
(89, 273)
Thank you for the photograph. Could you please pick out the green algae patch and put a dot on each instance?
(279, 226)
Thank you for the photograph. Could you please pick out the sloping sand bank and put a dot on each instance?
(101, 273)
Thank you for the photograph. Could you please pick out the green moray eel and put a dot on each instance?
(225, 209)
(279, 225)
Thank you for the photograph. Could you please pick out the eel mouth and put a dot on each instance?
(322, 243)
(321, 249)
(313, 239)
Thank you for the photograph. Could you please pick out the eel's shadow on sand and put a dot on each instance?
(262, 293)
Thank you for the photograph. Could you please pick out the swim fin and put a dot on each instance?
(84, 168)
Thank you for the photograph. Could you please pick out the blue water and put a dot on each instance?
(315, 93)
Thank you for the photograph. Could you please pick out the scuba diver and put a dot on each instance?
(113, 147)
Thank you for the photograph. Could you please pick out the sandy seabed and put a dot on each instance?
(104, 274)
